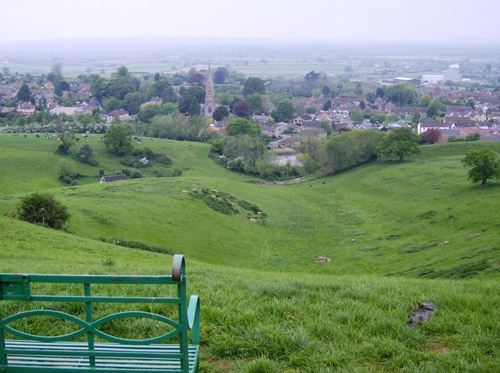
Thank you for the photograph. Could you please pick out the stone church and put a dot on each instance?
(207, 109)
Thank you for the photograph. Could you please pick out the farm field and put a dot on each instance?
(396, 234)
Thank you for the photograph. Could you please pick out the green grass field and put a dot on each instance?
(397, 234)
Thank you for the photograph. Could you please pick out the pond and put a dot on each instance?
(282, 160)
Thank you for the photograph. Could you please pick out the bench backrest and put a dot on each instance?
(17, 287)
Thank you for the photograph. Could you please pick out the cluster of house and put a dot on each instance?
(44, 96)
(463, 124)
(459, 121)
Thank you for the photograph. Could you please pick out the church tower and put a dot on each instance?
(209, 107)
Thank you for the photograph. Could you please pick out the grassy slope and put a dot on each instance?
(420, 218)
(275, 322)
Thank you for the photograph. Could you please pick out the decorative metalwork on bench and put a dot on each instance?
(90, 327)
(38, 353)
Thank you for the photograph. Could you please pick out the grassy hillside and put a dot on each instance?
(421, 218)
(30, 163)
(255, 321)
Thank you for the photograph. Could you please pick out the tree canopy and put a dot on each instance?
(24, 93)
(43, 208)
(241, 108)
(356, 116)
(284, 112)
(432, 135)
(220, 113)
(220, 75)
(484, 165)
(118, 139)
(196, 93)
(242, 126)
(254, 85)
(163, 89)
(399, 143)
(255, 102)
(401, 94)
(351, 149)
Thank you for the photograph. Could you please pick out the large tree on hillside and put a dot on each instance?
(118, 139)
(399, 143)
(484, 165)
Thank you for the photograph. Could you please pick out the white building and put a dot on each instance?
(453, 74)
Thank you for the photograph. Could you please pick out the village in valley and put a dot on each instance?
(249, 187)
(443, 107)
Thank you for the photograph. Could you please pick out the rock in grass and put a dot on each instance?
(421, 314)
(321, 259)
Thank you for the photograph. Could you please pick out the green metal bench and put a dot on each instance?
(34, 353)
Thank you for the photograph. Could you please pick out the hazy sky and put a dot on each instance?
(321, 20)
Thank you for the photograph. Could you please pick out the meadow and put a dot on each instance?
(396, 234)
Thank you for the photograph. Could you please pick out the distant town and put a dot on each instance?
(440, 102)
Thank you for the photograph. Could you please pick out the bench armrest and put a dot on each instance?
(194, 318)
(178, 268)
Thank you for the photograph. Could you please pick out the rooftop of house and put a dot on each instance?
(118, 112)
(433, 123)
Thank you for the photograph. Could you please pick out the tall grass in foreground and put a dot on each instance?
(276, 322)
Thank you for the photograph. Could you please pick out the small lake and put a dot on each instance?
(282, 160)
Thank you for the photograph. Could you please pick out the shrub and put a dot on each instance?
(84, 155)
(61, 150)
(145, 158)
(236, 164)
(218, 201)
(161, 173)
(135, 174)
(66, 179)
(473, 136)
(351, 149)
(43, 208)
(217, 147)
(432, 135)
(66, 170)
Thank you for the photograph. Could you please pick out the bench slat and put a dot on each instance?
(89, 279)
(98, 346)
(94, 299)
(166, 357)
